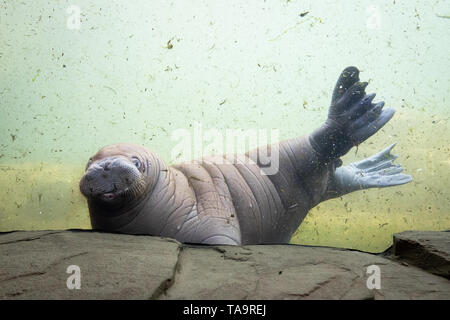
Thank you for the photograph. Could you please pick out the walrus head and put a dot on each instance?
(118, 175)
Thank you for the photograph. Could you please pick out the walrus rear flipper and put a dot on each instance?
(377, 171)
(352, 117)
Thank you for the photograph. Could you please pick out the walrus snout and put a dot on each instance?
(110, 178)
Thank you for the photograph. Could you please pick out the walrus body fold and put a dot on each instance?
(218, 201)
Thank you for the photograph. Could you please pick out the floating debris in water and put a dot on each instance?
(295, 26)
(111, 89)
(303, 14)
(36, 75)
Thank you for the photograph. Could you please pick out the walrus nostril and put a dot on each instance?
(106, 166)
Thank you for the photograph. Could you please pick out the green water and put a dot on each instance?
(66, 92)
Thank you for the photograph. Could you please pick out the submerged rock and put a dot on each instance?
(429, 250)
(115, 266)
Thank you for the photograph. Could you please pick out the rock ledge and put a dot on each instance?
(115, 266)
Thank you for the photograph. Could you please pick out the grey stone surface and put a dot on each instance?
(296, 272)
(429, 250)
(33, 266)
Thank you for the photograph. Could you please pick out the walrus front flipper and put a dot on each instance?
(377, 171)
(352, 117)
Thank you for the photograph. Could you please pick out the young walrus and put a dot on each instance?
(219, 201)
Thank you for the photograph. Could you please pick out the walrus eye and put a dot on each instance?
(137, 162)
(88, 164)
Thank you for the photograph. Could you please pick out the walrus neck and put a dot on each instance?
(166, 210)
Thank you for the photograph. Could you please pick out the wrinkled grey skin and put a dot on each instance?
(214, 201)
